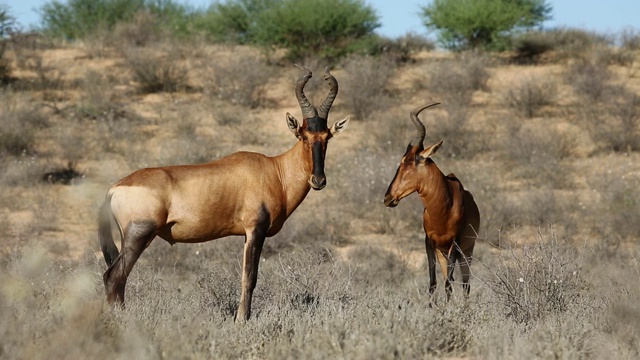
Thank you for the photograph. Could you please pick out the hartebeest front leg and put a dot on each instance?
(447, 264)
(250, 262)
(431, 259)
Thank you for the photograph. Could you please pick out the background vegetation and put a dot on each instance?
(553, 163)
(485, 24)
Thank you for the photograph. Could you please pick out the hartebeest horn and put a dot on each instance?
(307, 109)
(417, 141)
(323, 110)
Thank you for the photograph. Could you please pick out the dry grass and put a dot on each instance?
(363, 86)
(158, 69)
(346, 277)
(240, 81)
(531, 94)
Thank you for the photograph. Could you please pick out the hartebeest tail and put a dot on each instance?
(451, 219)
(244, 193)
(108, 247)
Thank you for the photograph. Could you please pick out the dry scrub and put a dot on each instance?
(555, 267)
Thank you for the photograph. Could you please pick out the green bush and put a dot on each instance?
(78, 19)
(327, 29)
(232, 21)
(485, 24)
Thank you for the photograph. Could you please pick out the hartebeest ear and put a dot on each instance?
(428, 152)
(293, 125)
(339, 126)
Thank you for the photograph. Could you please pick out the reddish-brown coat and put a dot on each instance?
(451, 218)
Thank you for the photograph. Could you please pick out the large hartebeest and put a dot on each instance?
(451, 218)
(244, 193)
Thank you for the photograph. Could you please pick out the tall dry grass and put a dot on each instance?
(555, 264)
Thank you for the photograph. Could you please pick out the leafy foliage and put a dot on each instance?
(321, 28)
(78, 19)
(232, 21)
(486, 24)
(326, 29)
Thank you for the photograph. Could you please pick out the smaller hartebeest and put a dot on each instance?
(451, 218)
(244, 193)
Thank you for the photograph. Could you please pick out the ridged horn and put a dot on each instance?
(419, 125)
(307, 109)
(323, 110)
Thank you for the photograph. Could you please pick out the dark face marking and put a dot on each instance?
(317, 124)
(318, 178)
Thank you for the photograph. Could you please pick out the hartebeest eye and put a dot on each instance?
(407, 160)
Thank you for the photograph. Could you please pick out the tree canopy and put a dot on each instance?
(487, 24)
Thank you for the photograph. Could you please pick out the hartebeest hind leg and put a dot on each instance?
(465, 257)
(137, 237)
(465, 269)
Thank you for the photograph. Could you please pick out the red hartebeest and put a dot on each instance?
(451, 218)
(243, 193)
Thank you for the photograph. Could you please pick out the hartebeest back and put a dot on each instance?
(243, 193)
(451, 218)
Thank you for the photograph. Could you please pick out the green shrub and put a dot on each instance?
(78, 19)
(232, 21)
(328, 29)
(482, 23)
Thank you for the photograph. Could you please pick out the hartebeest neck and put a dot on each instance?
(434, 191)
(294, 174)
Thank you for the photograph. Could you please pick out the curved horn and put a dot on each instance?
(323, 110)
(419, 125)
(307, 109)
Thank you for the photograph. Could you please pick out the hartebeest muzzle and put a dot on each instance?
(318, 179)
(390, 201)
